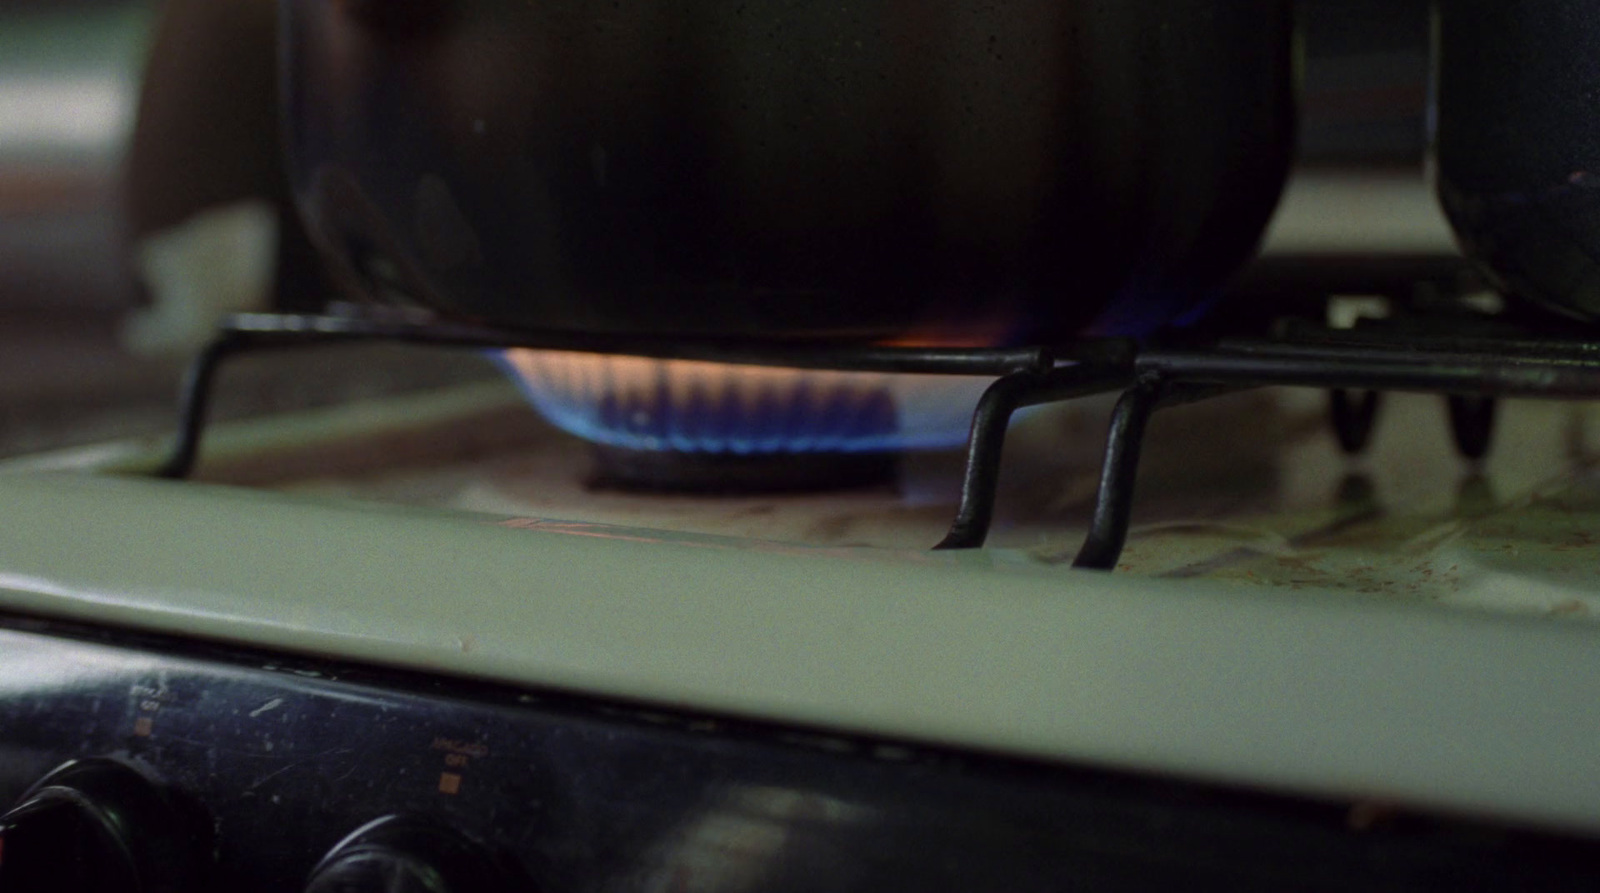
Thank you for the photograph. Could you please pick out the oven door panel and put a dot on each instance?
(288, 758)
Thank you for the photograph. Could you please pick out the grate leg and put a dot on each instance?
(981, 482)
(1353, 418)
(194, 403)
(1472, 422)
(1113, 504)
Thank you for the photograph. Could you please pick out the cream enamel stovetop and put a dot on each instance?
(1400, 628)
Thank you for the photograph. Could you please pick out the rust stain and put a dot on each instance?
(1304, 563)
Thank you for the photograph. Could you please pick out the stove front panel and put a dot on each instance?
(287, 759)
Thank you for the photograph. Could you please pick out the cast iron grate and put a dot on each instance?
(1471, 360)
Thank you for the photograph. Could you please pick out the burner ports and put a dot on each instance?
(98, 825)
(408, 855)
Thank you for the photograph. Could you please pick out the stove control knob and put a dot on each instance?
(401, 854)
(97, 825)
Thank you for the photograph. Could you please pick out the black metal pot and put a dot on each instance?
(790, 168)
(1519, 144)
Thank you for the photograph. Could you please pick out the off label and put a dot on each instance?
(458, 755)
(147, 700)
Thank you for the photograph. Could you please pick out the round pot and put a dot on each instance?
(1519, 145)
(784, 169)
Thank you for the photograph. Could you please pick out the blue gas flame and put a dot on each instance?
(695, 407)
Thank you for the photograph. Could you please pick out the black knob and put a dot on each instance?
(401, 854)
(97, 825)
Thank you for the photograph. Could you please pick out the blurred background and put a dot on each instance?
(141, 198)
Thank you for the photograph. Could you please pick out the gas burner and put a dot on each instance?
(706, 427)
(1471, 361)
(712, 409)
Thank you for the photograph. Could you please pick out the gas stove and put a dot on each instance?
(1305, 604)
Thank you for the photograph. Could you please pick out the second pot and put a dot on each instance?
(1519, 145)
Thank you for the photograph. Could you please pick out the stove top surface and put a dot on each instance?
(1250, 490)
(1405, 627)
